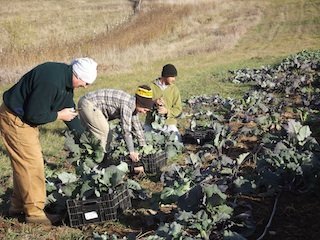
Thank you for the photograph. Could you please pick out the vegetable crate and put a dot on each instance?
(105, 208)
(151, 163)
(198, 136)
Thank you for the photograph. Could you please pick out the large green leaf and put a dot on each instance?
(211, 189)
(112, 176)
(85, 188)
(229, 235)
(67, 177)
(123, 166)
(304, 133)
(69, 189)
(168, 195)
(241, 158)
(133, 184)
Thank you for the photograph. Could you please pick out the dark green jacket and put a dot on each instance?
(41, 93)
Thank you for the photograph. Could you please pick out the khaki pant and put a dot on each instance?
(22, 143)
(95, 121)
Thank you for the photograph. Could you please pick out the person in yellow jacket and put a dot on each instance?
(167, 100)
(42, 95)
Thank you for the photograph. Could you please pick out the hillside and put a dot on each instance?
(203, 38)
(120, 41)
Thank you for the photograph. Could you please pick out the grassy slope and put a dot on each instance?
(285, 27)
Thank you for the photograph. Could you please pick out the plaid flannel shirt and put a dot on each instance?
(117, 104)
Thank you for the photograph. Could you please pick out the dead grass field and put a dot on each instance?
(109, 32)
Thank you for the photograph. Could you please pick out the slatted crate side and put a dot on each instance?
(154, 162)
(105, 208)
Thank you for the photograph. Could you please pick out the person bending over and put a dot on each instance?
(42, 95)
(99, 107)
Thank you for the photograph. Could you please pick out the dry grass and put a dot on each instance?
(28, 24)
(292, 27)
(31, 32)
(190, 30)
(108, 32)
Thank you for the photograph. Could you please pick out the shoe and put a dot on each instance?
(14, 212)
(38, 220)
(54, 218)
(49, 219)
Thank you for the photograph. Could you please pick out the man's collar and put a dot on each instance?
(160, 84)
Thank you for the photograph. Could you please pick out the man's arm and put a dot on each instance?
(175, 109)
(126, 123)
(139, 133)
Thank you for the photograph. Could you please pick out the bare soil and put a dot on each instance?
(297, 216)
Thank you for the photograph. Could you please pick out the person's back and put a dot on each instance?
(111, 102)
(101, 106)
(31, 98)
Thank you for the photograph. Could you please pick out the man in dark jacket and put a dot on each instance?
(42, 95)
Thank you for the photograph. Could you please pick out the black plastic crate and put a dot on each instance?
(105, 208)
(198, 136)
(151, 163)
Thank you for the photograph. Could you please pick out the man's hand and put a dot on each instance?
(67, 114)
(159, 102)
(134, 156)
(138, 170)
(162, 110)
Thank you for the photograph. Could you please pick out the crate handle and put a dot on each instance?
(90, 202)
